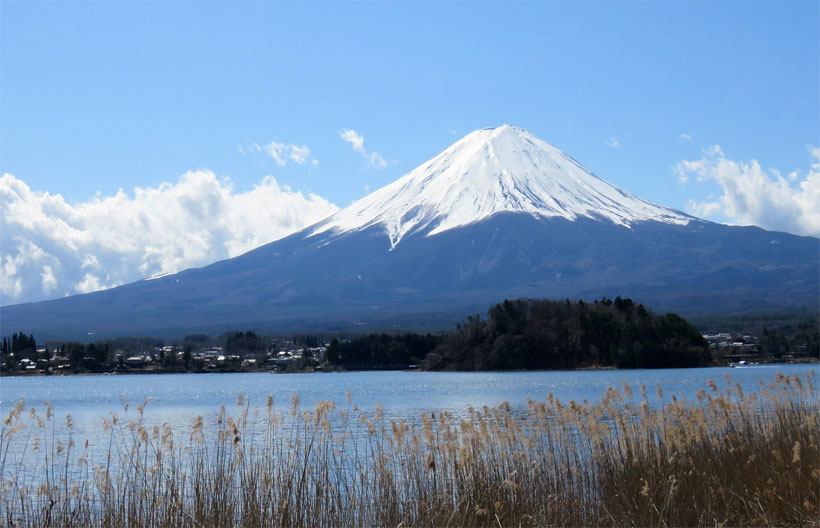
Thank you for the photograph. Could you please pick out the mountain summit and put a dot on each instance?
(499, 214)
(493, 170)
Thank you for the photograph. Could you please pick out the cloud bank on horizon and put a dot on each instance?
(51, 248)
(754, 196)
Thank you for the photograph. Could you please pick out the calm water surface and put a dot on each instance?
(177, 398)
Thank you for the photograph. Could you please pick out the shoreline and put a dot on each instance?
(40, 373)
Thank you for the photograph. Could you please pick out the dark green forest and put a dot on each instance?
(539, 334)
(381, 351)
(543, 334)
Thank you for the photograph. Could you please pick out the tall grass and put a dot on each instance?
(729, 458)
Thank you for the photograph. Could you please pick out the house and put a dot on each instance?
(135, 361)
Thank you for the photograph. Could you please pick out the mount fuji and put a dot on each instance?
(490, 171)
(499, 214)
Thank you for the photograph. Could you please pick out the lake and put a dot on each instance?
(178, 398)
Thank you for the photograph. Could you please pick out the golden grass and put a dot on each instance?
(728, 459)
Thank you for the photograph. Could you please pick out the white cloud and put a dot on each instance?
(299, 154)
(685, 137)
(90, 283)
(353, 137)
(703, 209)
(374, 159)
(753, 196)
(49, 282)
(90, 261)
(715, 150)
(613, 143)
(49, 248)
(282, 153)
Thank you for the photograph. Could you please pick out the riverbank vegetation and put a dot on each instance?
(633, 459)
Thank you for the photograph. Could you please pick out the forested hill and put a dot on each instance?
(529, 334)
(542, 334)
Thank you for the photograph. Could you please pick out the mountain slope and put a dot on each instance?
(498, 215)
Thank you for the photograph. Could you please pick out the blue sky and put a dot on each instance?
(97, 97)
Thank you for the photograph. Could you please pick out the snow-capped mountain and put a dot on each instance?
(500, 214)
(493, 170)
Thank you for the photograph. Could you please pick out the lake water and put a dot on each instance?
(178, 398)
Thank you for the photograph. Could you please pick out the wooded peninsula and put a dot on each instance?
(528, 334)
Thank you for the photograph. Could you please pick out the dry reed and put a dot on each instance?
(729, 458)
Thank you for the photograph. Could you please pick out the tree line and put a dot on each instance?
(18, 346)
(381, 351)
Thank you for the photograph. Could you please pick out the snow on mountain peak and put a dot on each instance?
(493, 170)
